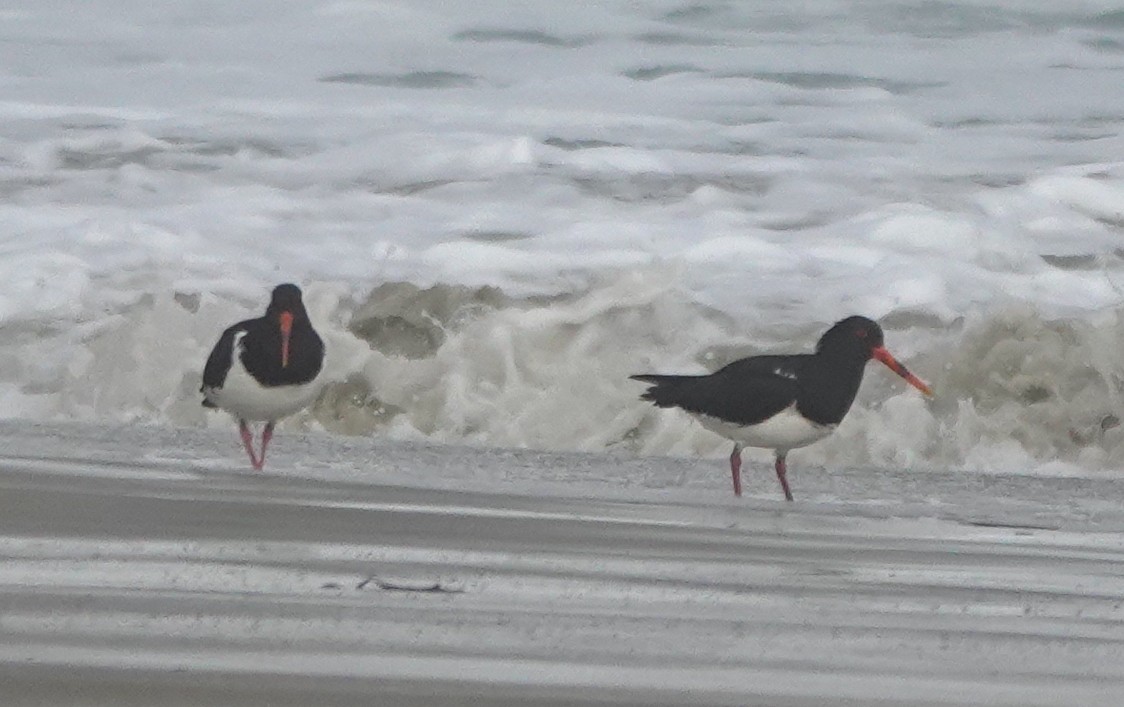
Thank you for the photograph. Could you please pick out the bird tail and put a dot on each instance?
(206, 398)
(665, 391)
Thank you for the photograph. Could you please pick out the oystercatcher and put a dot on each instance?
(780, 402)
(266, 368)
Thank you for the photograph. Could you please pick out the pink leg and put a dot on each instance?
(736, 468)
(781, 476)
(266, 435)
(248, 443)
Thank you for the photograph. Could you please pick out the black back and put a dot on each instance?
(822, 385)
(261, 346)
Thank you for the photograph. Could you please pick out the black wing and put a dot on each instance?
(745, 392)
(218, 363)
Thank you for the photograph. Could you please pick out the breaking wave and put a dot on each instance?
(1015, 391)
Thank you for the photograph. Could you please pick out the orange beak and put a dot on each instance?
(286, 331)
(884, 356)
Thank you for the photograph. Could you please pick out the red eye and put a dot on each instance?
(861, 333)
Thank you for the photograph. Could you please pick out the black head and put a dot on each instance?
(287, 309)
(285, 297)
(857, 340)
(853, 337)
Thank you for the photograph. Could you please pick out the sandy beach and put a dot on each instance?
(144, 565)
(498, 213)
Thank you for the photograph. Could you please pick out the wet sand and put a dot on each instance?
(146, 566)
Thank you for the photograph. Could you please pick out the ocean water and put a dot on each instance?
(499, 210)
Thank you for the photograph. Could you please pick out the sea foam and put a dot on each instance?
(500, 213)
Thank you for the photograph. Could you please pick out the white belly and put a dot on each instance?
(782, 432)
(245, 398)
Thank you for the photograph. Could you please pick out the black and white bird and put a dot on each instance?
(780, 402)
(266, 368)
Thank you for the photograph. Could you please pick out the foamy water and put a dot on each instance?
(499, 211)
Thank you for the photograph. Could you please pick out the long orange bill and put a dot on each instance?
(286, 331)
(884, 356)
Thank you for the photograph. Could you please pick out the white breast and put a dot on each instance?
(247, 399)
(784, 431)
